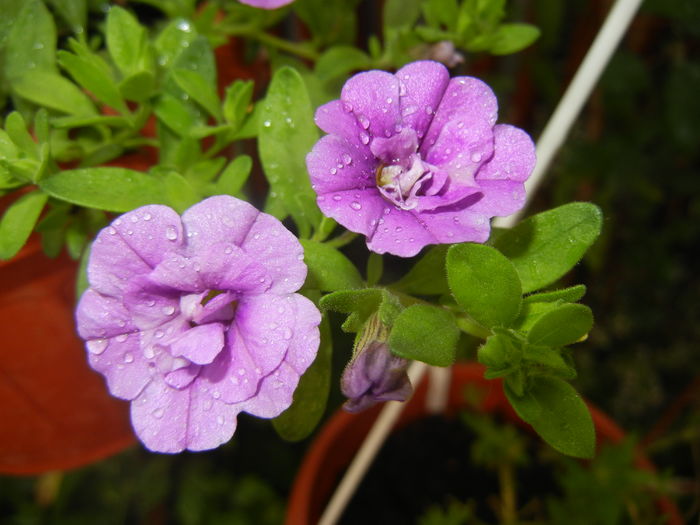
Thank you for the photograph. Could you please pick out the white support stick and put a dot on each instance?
(557, 129)
(369, 449)
(554, 134)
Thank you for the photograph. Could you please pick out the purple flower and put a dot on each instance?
(267, 4)
(194, 319)
(416, 158)
(374, 374)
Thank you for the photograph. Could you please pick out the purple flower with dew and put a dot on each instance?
(374, 374)
(266, 4)
(194, 319)
(417, 158)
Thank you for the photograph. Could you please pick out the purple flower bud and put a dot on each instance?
(374, 374)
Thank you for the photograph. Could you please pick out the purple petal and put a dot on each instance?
(200, 344)
(335, 119)
(100, 316)
(467, 103)
(399, 146)
(148, 306)
(122, 363)
(278, 251)
(374, 99)
(266, 4)
(324, 164)
(160, 417)
(513, 158)
(499, 198)
(453, 226)
(305, 341)
(218, 219)
(357, 210)
(132, 245)
(211, 422)
(399, 232)
(423, 84)
(182, 377)
(275, 393)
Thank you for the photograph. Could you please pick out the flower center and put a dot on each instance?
(401, 185)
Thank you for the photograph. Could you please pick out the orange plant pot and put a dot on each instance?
(334, 447)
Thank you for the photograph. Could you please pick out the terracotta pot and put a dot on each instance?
(334, 447)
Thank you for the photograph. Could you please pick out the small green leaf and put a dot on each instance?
(179, 193)
(237, 101)
(177, 36)
(425, 333)
(428, 276)
(511, 38)
(54, 92)
(338, 61)
(286, 134)
(551, 358)
(19, 135)
(93, 78)
(329, 269)
(201, 91)
(563, 326)
(74, 12)
(558, 415)
(105, 188)
(18, 222)
(484, 283)
(234, 177)
(569, 295)
(311, 396)
(174, 114)
(138, 87)
(360, 304)
(126, 41)
(531, 312)
(500, 352)
(401, 13)
(81, 281)
(547, 245)
(31, 43)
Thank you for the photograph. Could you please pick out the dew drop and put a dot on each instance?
(389, 100)
(111, 231)
(347, 159)
(220, 420)
(147, 217)
(347, 106)
(476, 157)
(206, 406)
(170, 233)
(355, 205)
(287, 333)
(134, 218)
(398, 229)
(128, 358)
(159, 334)
(364, 138)
(364, 121)
(121, 338)
(216, 394)
(267, 123)
(97, 346)
(169, 310)
(428, 110)
(158, 413)
(334, 171)
(337, 198)
(228, 250)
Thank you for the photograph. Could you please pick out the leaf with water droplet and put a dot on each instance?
(283, 149)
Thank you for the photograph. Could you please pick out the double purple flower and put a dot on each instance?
(194, 319)
(416, 158)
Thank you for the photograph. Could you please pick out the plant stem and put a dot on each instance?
(509, 513)
(302, 50)
(342, 239)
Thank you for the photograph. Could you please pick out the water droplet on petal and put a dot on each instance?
(158, 413)
(216, 394)
(149, 352)
(334, 171)
(147, 217)
(476, 157)
(364, 138)
(364, 121)
(428, 110)
(287, 333)
(220, 420)
(347, 159)
(121, 338)
(398, 229)
(97, 346)
(169, 310)
(355, 205)
(170, 233)
(337, 198)
(207, 404)
(128, 358)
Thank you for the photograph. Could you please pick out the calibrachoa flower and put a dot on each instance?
(194, 319)
(417, 158)
(267, 4)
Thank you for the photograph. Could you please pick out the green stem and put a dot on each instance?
(303, 50)
(342, 239)
(509, 512)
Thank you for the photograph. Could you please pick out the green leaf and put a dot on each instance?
(311, 396)
(31, 43)
(510, 38)
(126, 41)
(138, 87)
(338, 61)
(237, 101)
(500, 352)
(105, 188)
(531, 312)
(17, 132)
(569, 295)
(287, 133)
(179, 193)
(375, 268)
(428, 276)
(360, 304)
(54, 92)
(94, 79)
(173, 40)
(74, 12)
(174, 114)
(425, 333)
(81, 281)
(401, 13)
(484, 283)
(329, 269)
(547, 245)
(558, 415)
(18, 222)
(563, 326)
(234, 177)
(551, 358)
(201, 91)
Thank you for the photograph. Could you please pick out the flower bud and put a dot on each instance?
(374, 374)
